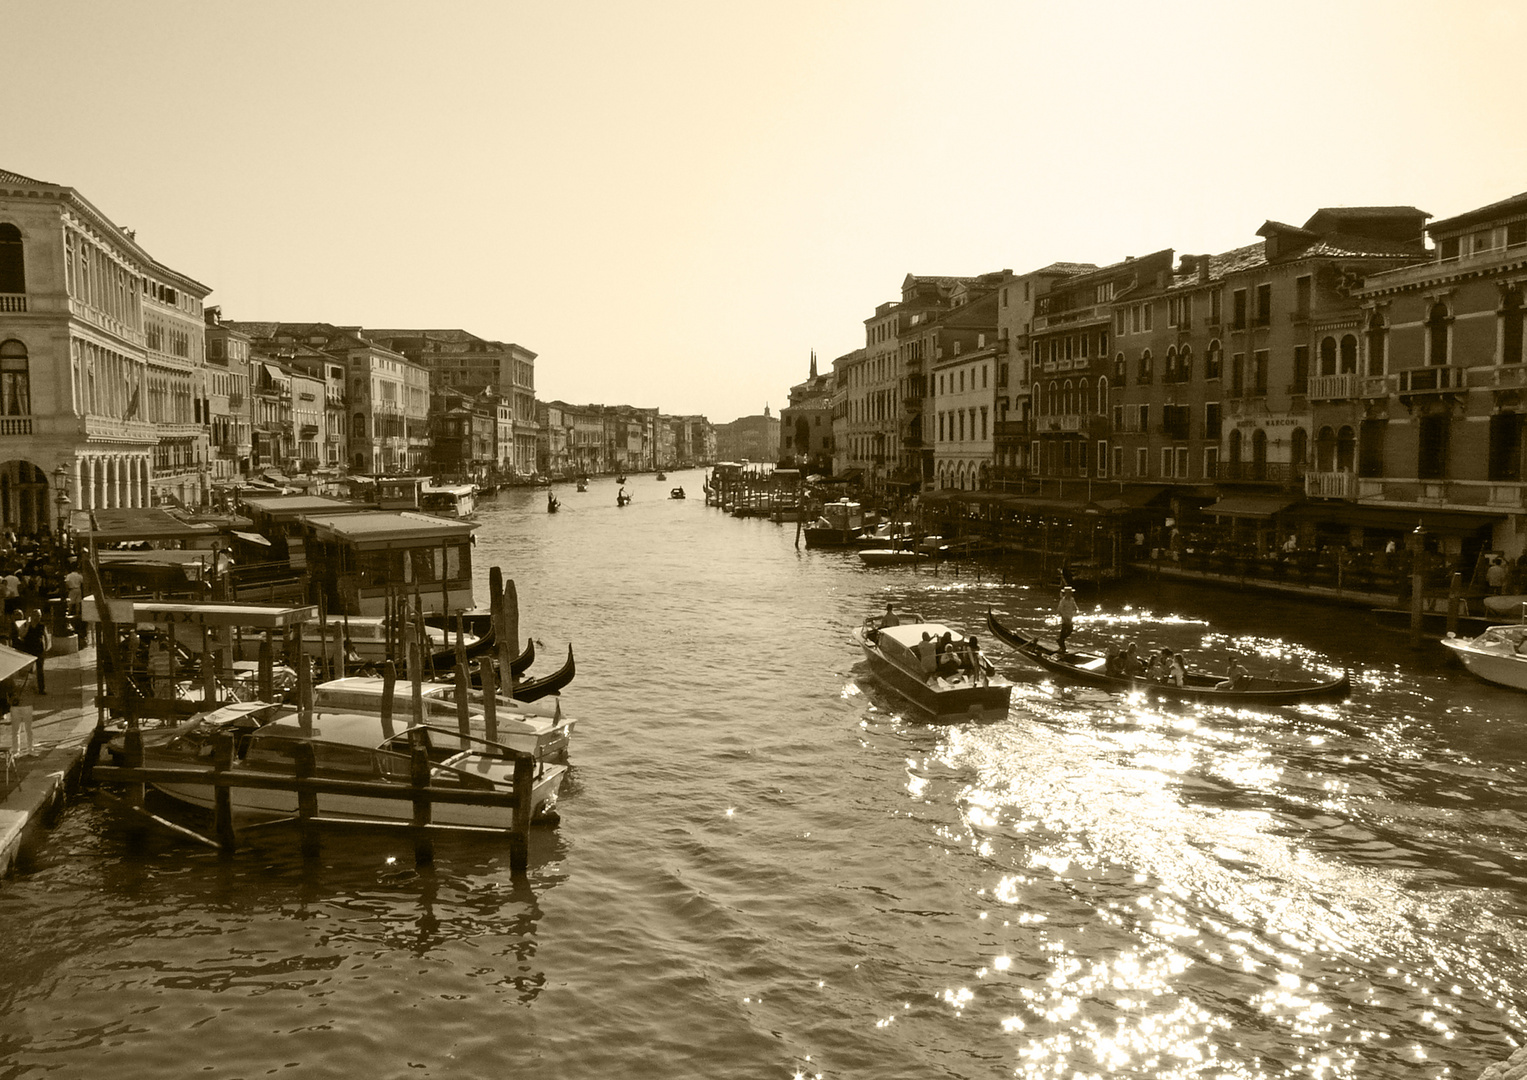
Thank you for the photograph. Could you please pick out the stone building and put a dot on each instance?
(805, 424)
(102, 363)
(749, 438)
(1439, 391)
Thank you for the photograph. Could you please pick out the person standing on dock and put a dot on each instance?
(34, 642)
(1067, 611)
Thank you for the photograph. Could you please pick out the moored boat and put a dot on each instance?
(901, 657)
(1498, 655)
(537, 727)
(839, 525)
(1090, 670)
(351, 746)
(891, 556)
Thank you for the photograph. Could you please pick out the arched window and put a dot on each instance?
(13, 275)
(15, 379)
(1325, 450)
(1119, 364)
(1068, 399)
(1084, 396)
(1328, 356)
(1144, 373)
(1436, 335)
(1346, 449)
(1103, 395)
(1037, 399)
(1378, 344)
(1053, 403)
(1169, 370)
(1348, 354)
(358, 429)
(1259, 454)
(1185, 364)
(1235, 446)
(1299, 450)
(1213, 360)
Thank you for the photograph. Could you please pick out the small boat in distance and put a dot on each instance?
(661, 476)
(1498, 655)
(1090, 670)
(553, 504)
(583, 483)
(904, 658)
(621, 498)
(621, 479)
(676, 493)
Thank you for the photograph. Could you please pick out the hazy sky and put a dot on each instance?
(674, 203)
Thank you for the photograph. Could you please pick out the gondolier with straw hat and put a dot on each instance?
(1067, 611)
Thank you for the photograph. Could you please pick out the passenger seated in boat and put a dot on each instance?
(1155, 670)
(948, 658)
(1134, 667)
(1236, 676)
(1113, 661)
(1177, 673)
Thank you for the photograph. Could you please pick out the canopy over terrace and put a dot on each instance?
(246, 616)
(151, 523)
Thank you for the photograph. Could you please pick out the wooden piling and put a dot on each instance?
(524, 799)
(389, 685)
(208, 670)
(1454, 599)
(489, 700)
(424, 851)
(1417, 597)
(307, 801)
(222, 795)
(463, 710)
(267, 675)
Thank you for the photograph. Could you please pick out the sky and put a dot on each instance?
(675, 203)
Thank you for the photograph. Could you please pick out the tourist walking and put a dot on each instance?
(34, 642)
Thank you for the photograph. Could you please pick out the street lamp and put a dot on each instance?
(61, 482)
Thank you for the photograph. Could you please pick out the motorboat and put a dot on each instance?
(1090, 669)
(903, 658)
(448, 500)
(346, 745)
(534, 727)
(621, 479)
(676, 493)
(661, 477)
(1498, 655)
(840, 525)
(892, 556)
(583, 484)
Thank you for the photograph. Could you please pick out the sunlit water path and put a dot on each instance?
(764, 870)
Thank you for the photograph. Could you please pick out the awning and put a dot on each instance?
(270, 474)
(12, 662)
(1249, 506)
(253, 538)
(1397, 518)
(274, 372)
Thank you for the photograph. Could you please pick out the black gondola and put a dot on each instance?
(534, 689)
(1087, 668)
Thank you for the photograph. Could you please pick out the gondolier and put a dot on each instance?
(1067, 610)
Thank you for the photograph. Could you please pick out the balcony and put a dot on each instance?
(1511, 376)
(1431, 380)
(12, 302)
(1333, 387)
(1010, 429)
(309, 431)
(1257, 472)
(1067, 422)
(15, 425)
(1500, 495)
(1330, 485)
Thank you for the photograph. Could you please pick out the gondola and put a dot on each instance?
(1087, 668)
(534, 689)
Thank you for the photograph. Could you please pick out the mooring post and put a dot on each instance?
(307, 801)
(304, 693)
(389, 685)
(463, 710)
(489, 699)
(1454, 598)
(267, 675)
(524, 803)
(222, 794)
(132, 758)
(208, 669)
(416, 667)
(512, 625)
(418, 772)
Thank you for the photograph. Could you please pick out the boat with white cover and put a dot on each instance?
(902, 658)
(1498, 655)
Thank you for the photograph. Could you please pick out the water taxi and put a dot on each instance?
(905, 658)
(448, 500)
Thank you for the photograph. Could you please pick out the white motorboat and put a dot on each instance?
(536, 727)
(891, 556)
(448, 500)
(1498, 655)
(350, 746)
(905, 658)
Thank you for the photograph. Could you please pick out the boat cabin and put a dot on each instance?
(843, 514)
(448, 500)
(358, 560)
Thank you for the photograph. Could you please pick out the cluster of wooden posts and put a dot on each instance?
(223, 778)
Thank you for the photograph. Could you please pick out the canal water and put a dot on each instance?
(765, 870)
